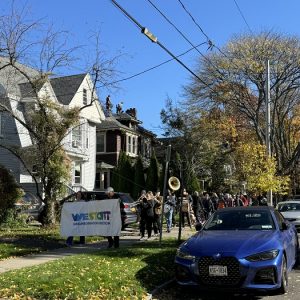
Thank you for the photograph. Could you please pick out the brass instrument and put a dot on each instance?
(174, 183)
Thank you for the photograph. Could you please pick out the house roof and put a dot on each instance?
(123, 116)
(145, 131)
(27, 91)
(66, 87)
(110, 123)
(103, 165)
(11, 78)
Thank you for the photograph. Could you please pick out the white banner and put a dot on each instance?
(101, 217)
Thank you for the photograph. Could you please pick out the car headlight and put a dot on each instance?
(267, 255)
(184, 254)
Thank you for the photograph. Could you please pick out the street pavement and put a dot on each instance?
(128, 236)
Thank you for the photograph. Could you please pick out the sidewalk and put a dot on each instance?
(129, 236)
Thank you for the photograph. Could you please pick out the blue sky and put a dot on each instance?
(220, 20)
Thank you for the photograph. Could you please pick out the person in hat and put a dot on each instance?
(113, 240)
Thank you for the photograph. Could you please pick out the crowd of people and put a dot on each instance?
(192, 209)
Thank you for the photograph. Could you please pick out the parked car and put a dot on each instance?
(30, 205)
(290, 211)
(239, 248)
(128, 214)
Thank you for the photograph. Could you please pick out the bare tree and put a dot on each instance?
(28, 56)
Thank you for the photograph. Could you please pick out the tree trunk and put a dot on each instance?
(48, 215)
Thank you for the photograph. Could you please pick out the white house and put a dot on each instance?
(80, 143)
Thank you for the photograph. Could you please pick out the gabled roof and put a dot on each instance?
(66, 87)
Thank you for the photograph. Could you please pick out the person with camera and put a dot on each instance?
(147, 215)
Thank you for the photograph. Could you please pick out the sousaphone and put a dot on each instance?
(174, 183)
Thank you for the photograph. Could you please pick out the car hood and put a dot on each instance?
(291, 214)
(234, 243)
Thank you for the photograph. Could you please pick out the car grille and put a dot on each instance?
(233, 278)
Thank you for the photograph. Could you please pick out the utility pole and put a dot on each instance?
(168, 156)
(268, 123)
(180, 203)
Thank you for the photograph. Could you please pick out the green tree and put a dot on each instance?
(139, 178)
(123, 174)
(259, 171)
(152, 179)
(117, 180)
(9, 193)
(234, 81)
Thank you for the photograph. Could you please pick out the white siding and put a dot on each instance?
(93, 113)
(89, 166)
(23, 133)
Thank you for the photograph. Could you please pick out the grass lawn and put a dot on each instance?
(30, 239)
(124, 273)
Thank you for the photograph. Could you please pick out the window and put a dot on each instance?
(77, 173)
(76, 137)
(34, 169)
(101, 142)
(129, 144)
(134, 145)
(147, 150)
(84, 96)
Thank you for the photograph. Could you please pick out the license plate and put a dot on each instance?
(217, 270)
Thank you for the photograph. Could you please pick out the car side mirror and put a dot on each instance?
(285, 226)
(198, 226)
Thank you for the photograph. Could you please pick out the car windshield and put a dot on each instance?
(126, 198)
(240, 220)
(288, 207)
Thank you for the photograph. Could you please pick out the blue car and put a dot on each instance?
(239, 248)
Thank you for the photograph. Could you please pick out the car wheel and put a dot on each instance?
(284, 277)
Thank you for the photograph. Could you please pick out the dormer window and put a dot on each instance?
(84, 97)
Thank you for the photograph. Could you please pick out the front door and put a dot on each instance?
(102, 180)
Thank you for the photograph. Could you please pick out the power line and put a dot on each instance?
(145, 31)
(208, 39)
(154, 67)
(176, 28)
(241, 13)
(210, 42)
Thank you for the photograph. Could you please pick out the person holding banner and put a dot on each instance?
(69, 242)
(113, 241)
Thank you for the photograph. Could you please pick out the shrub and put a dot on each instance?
(14, 219)
(9, 194)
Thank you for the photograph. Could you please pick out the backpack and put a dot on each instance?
(150, 209)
